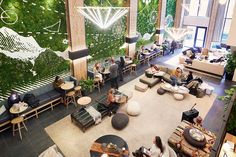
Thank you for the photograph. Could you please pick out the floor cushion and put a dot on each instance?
(119, 121)
(178, 96)
(149, 81)
(133, 108)
(161, 91)
(141, 87)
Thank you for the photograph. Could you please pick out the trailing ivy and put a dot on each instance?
(170, 10)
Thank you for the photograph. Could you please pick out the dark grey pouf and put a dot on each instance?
(119, 121)
(161, 91)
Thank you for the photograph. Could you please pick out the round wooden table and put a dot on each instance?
(67, 86)
(18, 108)
(98, 147)
(83, 101)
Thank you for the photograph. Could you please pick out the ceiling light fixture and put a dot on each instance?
(177, 33)
(146, 1)
(103, 17)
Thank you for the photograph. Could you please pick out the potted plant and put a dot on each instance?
(231, 125)
(86, 85)
(230, 65)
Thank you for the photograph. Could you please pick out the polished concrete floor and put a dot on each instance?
(36, 139)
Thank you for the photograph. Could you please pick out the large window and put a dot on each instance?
(198, 7)
(227, 20)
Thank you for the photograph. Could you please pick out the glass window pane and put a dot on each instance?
(203, 8)
(225, 33)
(199, 43)
(230, 9)
(193, 8)
(201, 33)
(189, 39)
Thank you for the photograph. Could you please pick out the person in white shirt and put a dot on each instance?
(158, 149)
(96, 73)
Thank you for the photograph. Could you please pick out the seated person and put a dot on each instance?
(153, 69)
(58, 82)
(13, 98)
(176, 74)
(189, 77)
(158, 148)
(155, 46)
(144, 50)
(112, 105)
(96, 73)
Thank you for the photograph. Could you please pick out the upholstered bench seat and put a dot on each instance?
(149, 81)
(141, 87)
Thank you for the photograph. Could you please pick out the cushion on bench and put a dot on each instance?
(5, 116)
(54, 94)
(43, 99)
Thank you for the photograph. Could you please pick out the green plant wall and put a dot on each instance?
(45, 20)
(170, 11)
(107, 42)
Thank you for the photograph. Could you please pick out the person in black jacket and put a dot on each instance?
(13, 98)
(121, 67)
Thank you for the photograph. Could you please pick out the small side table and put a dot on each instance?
(17, 121)
(83, 101)
(18, 108)
(133, 69)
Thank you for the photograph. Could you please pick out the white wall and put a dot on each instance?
(196, 21)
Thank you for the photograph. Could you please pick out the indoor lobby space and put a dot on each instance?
(117, 78)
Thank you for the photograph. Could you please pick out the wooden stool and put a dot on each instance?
(70, 97)
(77, 91)
(17, 121)
(96, 83)
(133, 69)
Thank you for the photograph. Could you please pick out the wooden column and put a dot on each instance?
(161, 20)
(132, 27)
(76, 38)
(178, 14)
(212, 22)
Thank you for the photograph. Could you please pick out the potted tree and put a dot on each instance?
(87, 86)
(230, 65)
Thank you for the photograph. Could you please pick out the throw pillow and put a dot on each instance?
(2, 109)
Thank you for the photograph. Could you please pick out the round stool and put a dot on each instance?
(17, 121)
(70, 97)
(133, 108)
(119, 121)
(77, 91)
(161, 91)
(178, 96)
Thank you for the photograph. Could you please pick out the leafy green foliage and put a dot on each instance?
(231, 125)
(33, 16)
(147, 17)
(171, 8)
(87, 85)
(231, 63)
(14, 72)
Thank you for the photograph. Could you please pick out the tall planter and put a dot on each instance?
(230, 65)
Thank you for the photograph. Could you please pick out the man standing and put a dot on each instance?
(113, 74)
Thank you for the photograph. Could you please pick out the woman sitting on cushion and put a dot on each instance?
(113, 106)
(153, 69)
(96, 72)
(176, 74)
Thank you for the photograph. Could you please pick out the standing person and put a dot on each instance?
(113, 74)
(173, 46)
(121, 67)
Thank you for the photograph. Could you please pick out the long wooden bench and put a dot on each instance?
(34, 112)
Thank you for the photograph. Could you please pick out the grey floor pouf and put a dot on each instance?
(119, 121)
(161, 91)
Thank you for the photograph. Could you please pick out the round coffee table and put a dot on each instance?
(83, 101)
(18, 108)
(97, 149)
(67, 86)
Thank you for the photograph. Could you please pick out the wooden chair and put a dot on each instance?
(96, 83)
